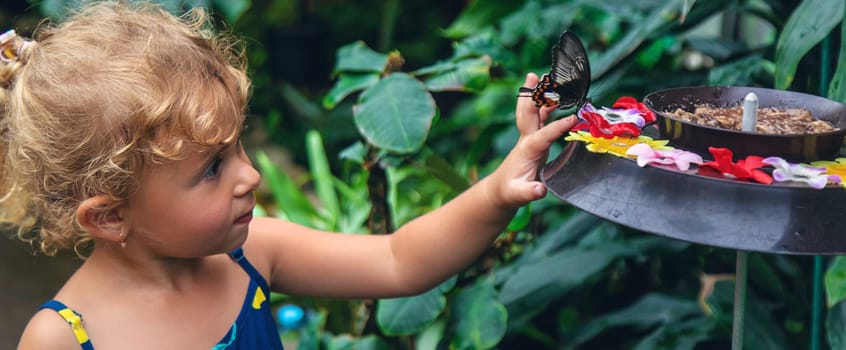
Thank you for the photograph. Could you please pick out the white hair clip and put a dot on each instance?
(8, 51)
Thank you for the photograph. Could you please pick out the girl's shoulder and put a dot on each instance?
(48, 330)
(144, 313)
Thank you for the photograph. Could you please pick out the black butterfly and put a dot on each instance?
(568, 80)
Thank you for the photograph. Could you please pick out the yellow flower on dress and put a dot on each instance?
(617, 145)
(258, 298)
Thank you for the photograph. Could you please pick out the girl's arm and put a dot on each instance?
(421, 253)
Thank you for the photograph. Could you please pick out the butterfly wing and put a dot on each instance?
(570, 73)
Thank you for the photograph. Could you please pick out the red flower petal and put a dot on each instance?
(751, 162)
(625, 129)
(746, 169)
(599, 127)
(628, 102)
(625, 102)
(581, 126)
(761, 177)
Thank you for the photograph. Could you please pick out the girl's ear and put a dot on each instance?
(99, 216)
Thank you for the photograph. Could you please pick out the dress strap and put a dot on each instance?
(74, 319)
(238, 256)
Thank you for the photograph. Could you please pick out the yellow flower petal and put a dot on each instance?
(616, 145)
(836, 167)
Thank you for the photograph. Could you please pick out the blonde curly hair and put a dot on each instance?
(93, 100)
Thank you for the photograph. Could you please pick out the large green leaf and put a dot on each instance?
(323, 179)
(681, 335)
(347, 84)
(809, 23)
(521, 219)
(356, 206)
(575, 226)
(480, 319)
(835, 281)
(409, 315)
(293, 203)
(54, 8)
(395, 114)
(837, 89)
(441, 169)
(357, 57)
(651, 54)
(836, 323)
(431, 337)
(470, 74)
(494, 104)
(486, 43)
(760, 329)
(534, 284)
(478, 15)
(653, 309)
(232, 9)
(538, 21)
(311, 334)
(660, 16)
(347, 342)
(740, 72)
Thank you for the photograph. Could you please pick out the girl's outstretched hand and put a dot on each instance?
(515, 182)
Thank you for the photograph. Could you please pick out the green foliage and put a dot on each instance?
(835, 282)
(836, 321)
(357, 57)
(480, 319)
(837, 90)
(291, 202)
(410, 315)
(652, 311)
(231, 10)
(812, 21)
(395, 114)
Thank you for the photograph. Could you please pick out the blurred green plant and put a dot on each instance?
(230, 9)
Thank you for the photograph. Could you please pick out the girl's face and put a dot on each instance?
(193, 207)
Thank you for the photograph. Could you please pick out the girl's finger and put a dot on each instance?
(544, 114)
(540, 141)
(528, 119)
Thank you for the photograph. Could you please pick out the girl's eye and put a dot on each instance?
(214, 167)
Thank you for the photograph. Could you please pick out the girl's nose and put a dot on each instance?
(248, 177)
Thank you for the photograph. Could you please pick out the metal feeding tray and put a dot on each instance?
(779, 218)
(697, 138)
(715, 211)
(718, 212)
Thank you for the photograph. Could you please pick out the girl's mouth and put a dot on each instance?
(244, 219)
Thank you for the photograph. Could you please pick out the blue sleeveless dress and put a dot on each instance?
(255, 327)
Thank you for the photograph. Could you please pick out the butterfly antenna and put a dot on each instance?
(598, 89)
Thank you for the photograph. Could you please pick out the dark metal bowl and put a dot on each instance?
(697, 137)
(684, 205)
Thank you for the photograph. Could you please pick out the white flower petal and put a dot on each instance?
(817, 182)
(779, 175)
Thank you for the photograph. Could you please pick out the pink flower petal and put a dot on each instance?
(646, 155)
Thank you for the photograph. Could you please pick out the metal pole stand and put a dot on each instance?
(740, 280)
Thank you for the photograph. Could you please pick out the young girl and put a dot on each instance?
(120, 135)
